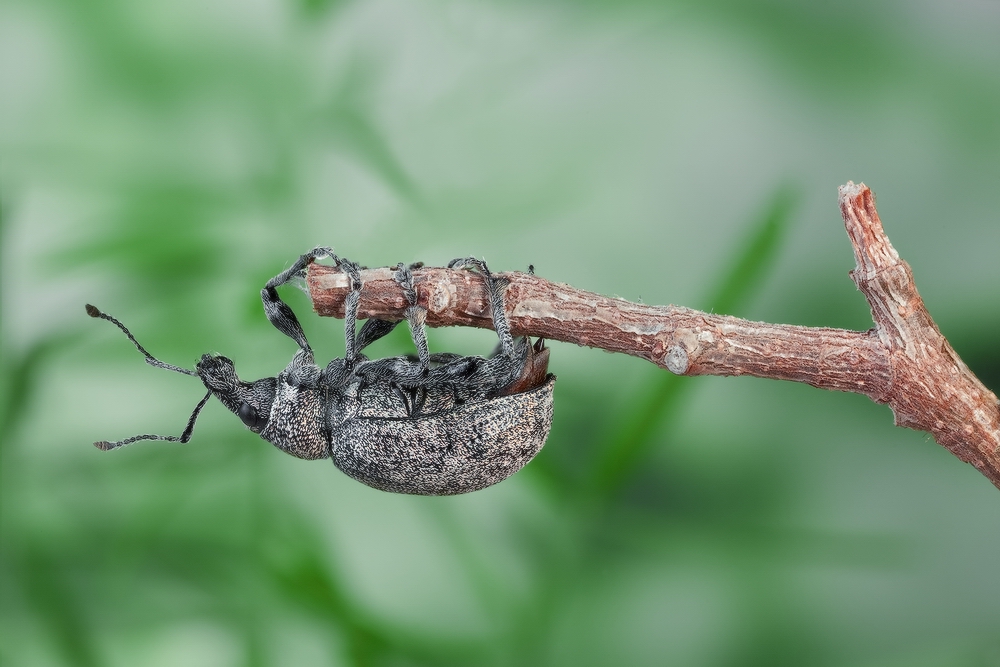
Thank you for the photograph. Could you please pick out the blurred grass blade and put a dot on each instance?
(351, 121)
(631, 439)
(359, 136)
(758, 256)
(57, 605)
(20, 376)
(312, 581)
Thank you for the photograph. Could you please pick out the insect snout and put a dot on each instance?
(209, 363)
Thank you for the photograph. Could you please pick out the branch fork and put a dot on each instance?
(903, 361)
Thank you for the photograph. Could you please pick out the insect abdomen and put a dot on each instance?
(457, 451)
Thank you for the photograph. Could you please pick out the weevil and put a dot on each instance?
(434, 424)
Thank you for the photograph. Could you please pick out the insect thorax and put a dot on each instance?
(298, 422)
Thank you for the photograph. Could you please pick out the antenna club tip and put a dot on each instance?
(103, 445)
(93, 311)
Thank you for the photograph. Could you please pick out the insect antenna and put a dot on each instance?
(184, 437)
(150, 359)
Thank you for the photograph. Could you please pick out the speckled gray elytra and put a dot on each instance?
(437, 424)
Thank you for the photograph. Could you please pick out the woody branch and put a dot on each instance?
(903, 361)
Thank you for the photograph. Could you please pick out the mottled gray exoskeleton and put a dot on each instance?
(436, 424)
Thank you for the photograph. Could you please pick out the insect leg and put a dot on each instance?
(371, 331)
(277, 311)
(374, 328)
(415, 315)
(351, 336)
(494, 293)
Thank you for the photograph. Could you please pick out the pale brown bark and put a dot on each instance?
(903, 361)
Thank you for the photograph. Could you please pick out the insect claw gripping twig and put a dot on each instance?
(494, 290)
(415, 315)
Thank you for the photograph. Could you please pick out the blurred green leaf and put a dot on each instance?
(350, 121)
(52, 597)
(632, 438)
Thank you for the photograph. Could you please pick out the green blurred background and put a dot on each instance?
(162, 160)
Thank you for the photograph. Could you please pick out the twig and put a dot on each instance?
(904, 361)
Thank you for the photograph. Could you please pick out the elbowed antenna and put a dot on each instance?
(152, 361)
(104, 445)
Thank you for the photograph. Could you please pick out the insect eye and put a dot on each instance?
(250, 417)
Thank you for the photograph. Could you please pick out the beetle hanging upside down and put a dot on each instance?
(439, 424)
